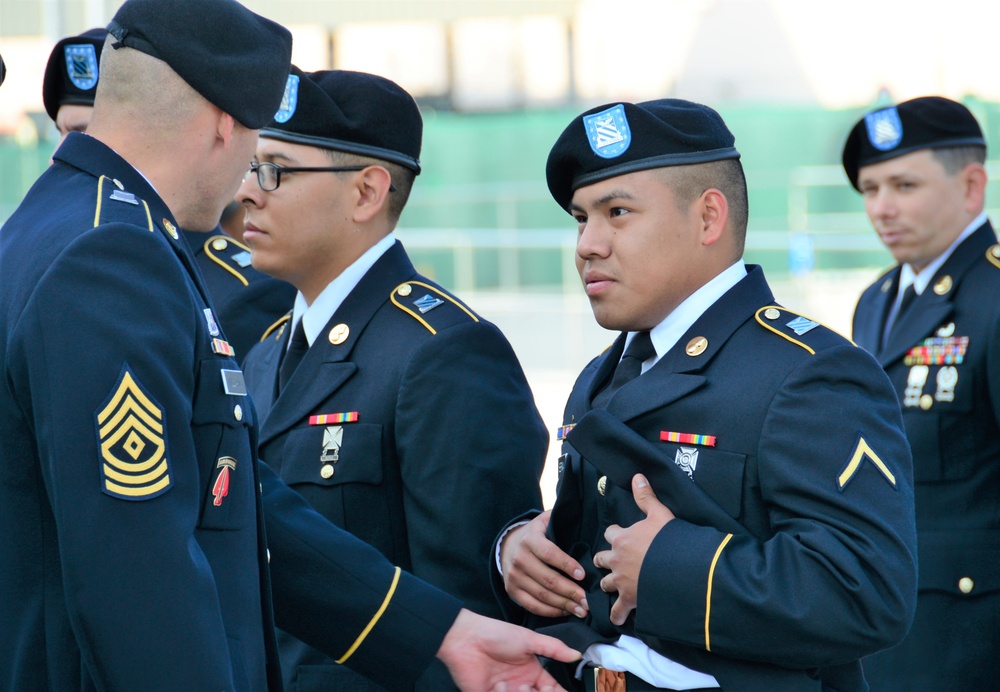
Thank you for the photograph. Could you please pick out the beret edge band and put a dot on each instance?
(340, 145)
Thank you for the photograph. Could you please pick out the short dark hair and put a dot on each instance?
(402, 178)
(727, 176)
(954, 159)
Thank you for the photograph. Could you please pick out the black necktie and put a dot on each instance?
(297, 348)
(908, 295)
(639, 350)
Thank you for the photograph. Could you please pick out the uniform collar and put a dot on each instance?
(666, 334)
(920, 280)
(326, 304)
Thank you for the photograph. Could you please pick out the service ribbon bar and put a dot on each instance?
(222, 347)
(687, 438)
(332, 418)
(562, 432)
(949, 350)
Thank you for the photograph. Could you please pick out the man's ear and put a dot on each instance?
(974, 180)
(225, 125)
(373, 193)
(714, 209)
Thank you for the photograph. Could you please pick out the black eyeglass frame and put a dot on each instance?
(278, 170)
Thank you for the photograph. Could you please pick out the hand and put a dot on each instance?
(528, 557)
(628, 548)
(486, 654)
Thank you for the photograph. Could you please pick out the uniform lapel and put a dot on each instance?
(677, 374)
(606, 366)
(327, 366)
(262, 373)
(933, 306)
(868, 331)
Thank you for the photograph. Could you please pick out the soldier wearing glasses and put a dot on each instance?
(393, 408)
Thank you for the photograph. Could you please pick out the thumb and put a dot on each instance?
(644, 496)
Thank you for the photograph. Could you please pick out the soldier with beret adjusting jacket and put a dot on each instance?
(132, 542)
(398, 412)
(735, 502)
(933, 322)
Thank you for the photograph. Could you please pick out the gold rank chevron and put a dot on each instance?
(132, 443)
(861, 452)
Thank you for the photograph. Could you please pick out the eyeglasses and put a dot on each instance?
(269, 174)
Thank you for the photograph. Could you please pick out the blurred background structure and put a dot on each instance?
(498, 80)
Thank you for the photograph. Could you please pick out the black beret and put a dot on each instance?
(928, 122)
(236, 59)
(355, 112)
(615, 139)
(72, 71)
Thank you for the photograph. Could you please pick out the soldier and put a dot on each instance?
(770, 542)
(134, 552)
(933, 322)
(399, 413)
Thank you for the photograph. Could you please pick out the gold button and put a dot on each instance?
(943, 286)
(772, 314)
(926, 401)
(326, 471)
(404, 290)
(602, 484)
(696, 346)
(219, 244)
(995, 251)
(965, 585)
(238, 412)
(339, 334)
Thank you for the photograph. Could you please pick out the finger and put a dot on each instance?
(552, 555)
(550, 647)
(611, 532)
(608, 584)
(545, 592)
(620, 611)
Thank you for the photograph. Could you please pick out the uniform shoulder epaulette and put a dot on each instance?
(430, 306)
(230, 254)
(793, 327)
(115, 205)
(279, 326)
(993, 255)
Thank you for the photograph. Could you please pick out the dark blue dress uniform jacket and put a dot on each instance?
(951, 410)
(133, 553)
(447, 444)
(246, 301)
(794, 551)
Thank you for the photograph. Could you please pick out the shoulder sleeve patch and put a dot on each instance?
(789, 325)
(227, 252)
(114, 204)
(132, 442)
(993, 255)
(278, 326)
(427, 304)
